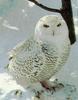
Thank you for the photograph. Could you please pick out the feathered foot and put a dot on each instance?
(52, 86)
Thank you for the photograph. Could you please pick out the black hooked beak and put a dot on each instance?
(53, 33)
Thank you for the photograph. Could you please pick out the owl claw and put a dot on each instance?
(18, 92)
(38, 94)
(52, 88)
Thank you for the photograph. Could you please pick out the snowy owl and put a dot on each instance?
(38, 58)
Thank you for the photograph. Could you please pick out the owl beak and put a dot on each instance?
(53, 33)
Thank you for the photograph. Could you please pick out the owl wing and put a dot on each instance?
(19, 47)
(27, 60)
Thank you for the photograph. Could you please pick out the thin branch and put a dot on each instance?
(45, 7)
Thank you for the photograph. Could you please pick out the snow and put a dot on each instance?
(7, 25)
(16, 24)
(9, 88)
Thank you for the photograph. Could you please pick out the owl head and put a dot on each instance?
(50, 27)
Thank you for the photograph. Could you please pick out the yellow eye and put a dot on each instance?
(45, 25)
(58, 25)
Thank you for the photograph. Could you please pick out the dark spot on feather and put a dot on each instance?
(7, 66)
(41, 63)
(10, 58)
(44, 49)
(35, 73)
(35, 66)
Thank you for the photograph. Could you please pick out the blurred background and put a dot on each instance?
(17, 22)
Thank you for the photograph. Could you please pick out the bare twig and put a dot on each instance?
(45, 7)
(66, 12)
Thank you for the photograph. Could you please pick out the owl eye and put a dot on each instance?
(45, 25)
(58, 25)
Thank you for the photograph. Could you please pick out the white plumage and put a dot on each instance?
(41, 56)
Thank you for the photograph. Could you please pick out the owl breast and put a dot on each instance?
(55, 58)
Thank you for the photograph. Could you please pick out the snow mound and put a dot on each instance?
(10, 90)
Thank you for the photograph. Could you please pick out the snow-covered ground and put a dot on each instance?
(17, 22)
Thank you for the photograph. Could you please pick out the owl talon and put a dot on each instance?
(18, 93)
(38, 93)
(52, 88)
(47, 86)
